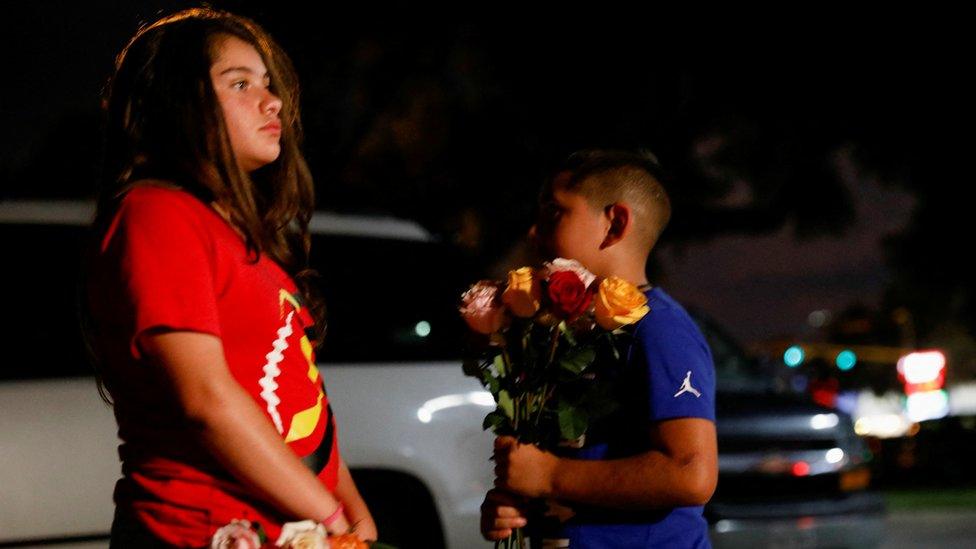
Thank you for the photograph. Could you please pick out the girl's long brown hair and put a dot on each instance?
(163, 121)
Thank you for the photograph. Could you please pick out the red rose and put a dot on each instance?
(568, 294)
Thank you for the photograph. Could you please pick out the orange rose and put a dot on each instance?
(346, 541)
(619, 303)
(524, 293)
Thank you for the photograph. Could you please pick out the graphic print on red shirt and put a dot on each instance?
(169, 261)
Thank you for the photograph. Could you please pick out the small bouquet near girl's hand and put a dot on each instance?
(307, 534)
(547, 344)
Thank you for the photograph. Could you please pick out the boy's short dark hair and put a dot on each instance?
(605, 177)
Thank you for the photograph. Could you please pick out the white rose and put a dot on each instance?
(306, 534)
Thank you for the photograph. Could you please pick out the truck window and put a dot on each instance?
(389, 300)
(41, 337)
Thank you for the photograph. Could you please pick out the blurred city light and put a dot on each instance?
(881, 416)
(817, 319)
(846, 401)
(927, 405)
(883, 426)
(962, 399)
(824, 421)
(921, 367)
(846, 359)
(801, 469)
(834, 456)
(793, 356)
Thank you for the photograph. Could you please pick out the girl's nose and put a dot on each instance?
(272, 104)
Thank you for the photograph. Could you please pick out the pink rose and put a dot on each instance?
(236, 535)
(481, 308)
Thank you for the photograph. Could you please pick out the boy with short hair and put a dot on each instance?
(643, 476)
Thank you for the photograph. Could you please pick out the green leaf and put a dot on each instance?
(494, 421)
(499, 363)
(572, 422)
(567, 333)
(491, 383)
(506, 404)
(262, 534)
(577, 359)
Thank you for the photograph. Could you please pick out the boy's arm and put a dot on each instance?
(681, 471)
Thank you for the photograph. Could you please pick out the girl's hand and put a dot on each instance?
(365, 529)
(339, 525)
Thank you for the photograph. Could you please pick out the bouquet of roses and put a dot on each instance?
(307, 534)
(547, 344)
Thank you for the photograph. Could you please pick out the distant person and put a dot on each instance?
(200, 310)
(643, 478)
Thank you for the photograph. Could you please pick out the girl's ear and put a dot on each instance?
(619, 217)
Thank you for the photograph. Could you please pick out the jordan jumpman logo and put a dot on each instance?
(687, 388)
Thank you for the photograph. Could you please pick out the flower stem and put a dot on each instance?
(552, 348)
(542, 403)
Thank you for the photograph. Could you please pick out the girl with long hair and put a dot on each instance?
(201, 310)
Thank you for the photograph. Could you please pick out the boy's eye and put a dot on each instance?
(551, 211)
(549, 215)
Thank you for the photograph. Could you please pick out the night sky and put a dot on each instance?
(858, 92)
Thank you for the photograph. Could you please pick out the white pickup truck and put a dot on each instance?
(409, 421)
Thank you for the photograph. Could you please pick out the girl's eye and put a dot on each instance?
(241, 84)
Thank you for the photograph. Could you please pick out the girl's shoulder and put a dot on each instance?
(160, 195)
(145, 189)
(155, 205)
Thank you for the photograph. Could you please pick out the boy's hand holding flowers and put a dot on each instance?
(554, 340)
(524, 469)
(501, 513)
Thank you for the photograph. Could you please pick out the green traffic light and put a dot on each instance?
(793, 356)
(846, 359)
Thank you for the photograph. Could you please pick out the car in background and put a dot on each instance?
(409, 421)
(791, 473)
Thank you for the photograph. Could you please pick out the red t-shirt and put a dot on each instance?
(168, 260)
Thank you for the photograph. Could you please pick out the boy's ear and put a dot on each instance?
(619, 217)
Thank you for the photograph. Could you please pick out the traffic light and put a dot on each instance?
(794, 356)
(846, 359)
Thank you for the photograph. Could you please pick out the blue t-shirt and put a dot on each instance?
(669, 374)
